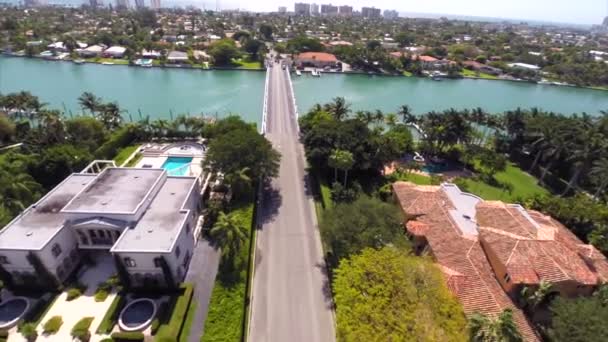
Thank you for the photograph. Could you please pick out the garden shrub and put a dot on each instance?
(3, 333)
(81, 329)
(127, 336)
(101, 295)
(111, 316)
(53, 325)
(73, 293)
(174, 327)
(28, 330)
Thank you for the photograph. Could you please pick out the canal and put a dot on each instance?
(161, 93)
(155, 92)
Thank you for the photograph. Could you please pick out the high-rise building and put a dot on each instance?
(314, 9)
(391, 14)
(329, 9)
(301, 8)
(155, 4)
(95, 3)
(370, 12)
(31, 3)
(346, 11)
(282, 9)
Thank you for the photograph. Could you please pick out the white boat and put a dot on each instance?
(298, 72)
(107, 63)
(315, 73)
(79, 61)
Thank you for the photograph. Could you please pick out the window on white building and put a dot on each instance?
(56, 250)
(4, 260)
(177, 252)
(130, 262)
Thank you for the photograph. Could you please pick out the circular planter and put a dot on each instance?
(137, 315)
(12, 310)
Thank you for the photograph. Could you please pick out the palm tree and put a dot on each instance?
(230, 234)
(391, 120)
(583, 151)
(599, 175)
(535, 298)
(502, 329)
(159, 127)
(406, 114)
(89, 101)
(110, 115)
(343, 160)
(339, 109)
(239, 180)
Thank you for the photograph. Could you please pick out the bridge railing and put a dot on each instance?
(293, 99)
(265, 108)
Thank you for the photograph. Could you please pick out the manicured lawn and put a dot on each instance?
(124, 153)
(471, 73)
(227, 304)
(523, 186)
(135, 160)
(188, 323)
(247, 64)
(417, 179)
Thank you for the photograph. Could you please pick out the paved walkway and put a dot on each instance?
(291, 300)
(202, 272)
(84, 306)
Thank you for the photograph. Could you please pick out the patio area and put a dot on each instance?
(84, 306)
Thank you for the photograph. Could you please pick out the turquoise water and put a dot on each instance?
(161, 93)
(176, 166)
(156, 92)
(422, 95)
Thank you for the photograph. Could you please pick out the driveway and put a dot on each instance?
(202, 272)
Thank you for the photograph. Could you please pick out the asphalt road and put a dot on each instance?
(291, 300)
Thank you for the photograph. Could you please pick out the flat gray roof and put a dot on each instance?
(115, 190)
(41, 221)
(158, 229)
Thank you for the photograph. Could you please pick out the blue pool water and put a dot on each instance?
(176, 166)
(435, 168)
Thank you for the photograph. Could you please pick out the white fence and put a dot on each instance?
(293, 99)
(265, 108)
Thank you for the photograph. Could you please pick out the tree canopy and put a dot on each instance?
(387, 295)
(223, 51)
(233, 151)
(348, 228)
(579, 320)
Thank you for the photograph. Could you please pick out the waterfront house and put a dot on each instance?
(150, 54)
(143, 217)
(91, 51)
(57, 47)
(115, 52)
(476, 66)
(524, 66)
(177, 57)
(489, 250)
(316, 59)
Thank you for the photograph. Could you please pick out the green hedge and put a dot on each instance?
(127, 336)
(3, 333)
(81, 328)
(53, 325)
(111, 316)
(172, 330)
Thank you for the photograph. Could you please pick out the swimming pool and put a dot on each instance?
(177, 166)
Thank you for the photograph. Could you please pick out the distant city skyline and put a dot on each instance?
(585, 12)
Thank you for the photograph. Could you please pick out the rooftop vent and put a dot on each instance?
(29, 234)
(466, 217)
(150, 230)
(104, 203)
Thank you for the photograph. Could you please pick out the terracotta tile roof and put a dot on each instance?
(427, 59)
(462, 259)
(317, 56)
(530, 245)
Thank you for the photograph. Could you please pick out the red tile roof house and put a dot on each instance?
(489, 250)
(316, 59)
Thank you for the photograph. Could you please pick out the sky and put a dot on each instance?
(585, 12)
